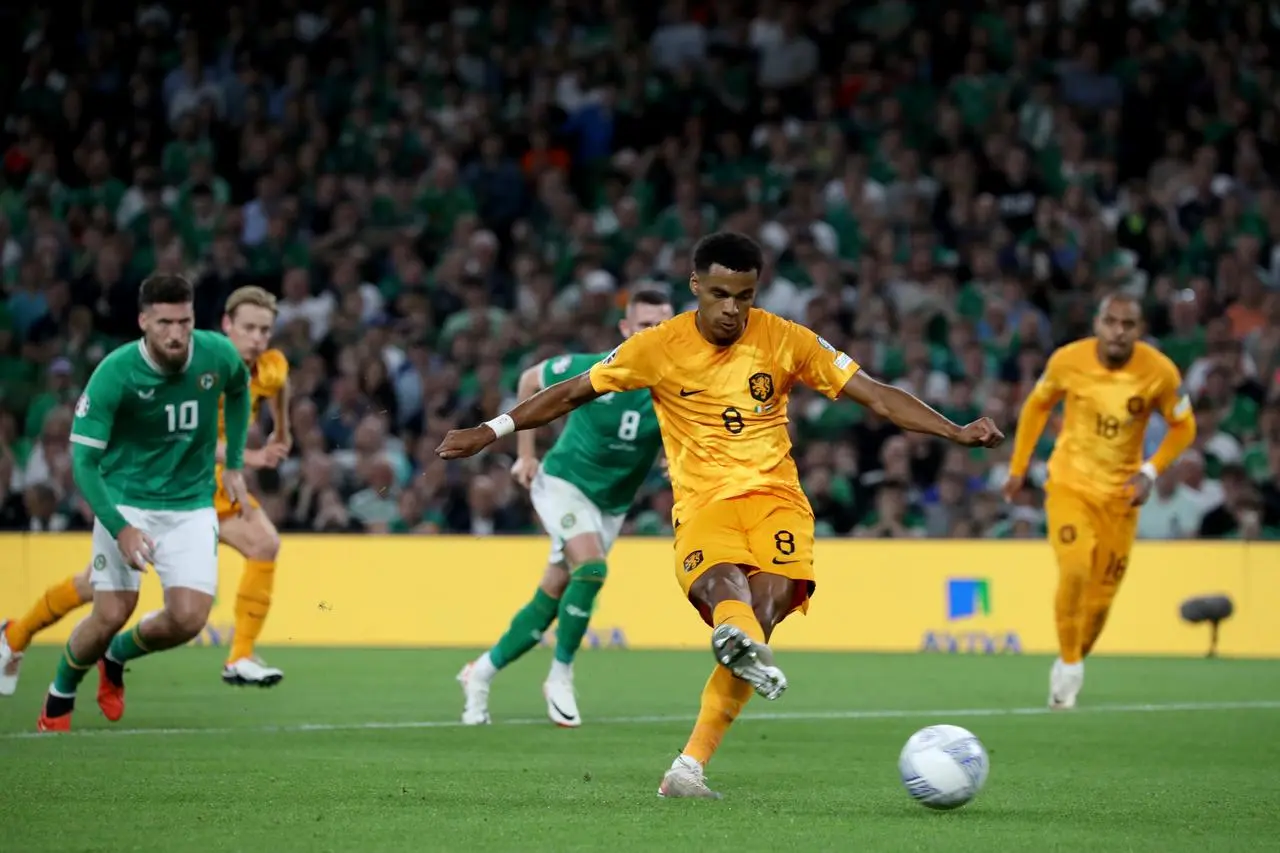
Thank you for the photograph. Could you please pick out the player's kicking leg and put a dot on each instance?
(746, 613)
(1116, 535)
(16, 634)
(115, 596)
(256, 539)
(186, 562)
(1073, 532)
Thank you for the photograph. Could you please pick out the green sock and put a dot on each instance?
(525, 631)
(70, 673)
(127, 646)
(575, 608)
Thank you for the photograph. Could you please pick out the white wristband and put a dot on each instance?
(502, 425)
(1149, 471)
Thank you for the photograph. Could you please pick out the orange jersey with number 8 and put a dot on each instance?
(1105, 414)
(723, 410)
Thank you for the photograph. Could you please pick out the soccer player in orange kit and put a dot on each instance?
(720, 377)
(1110, 384)
(248, 321)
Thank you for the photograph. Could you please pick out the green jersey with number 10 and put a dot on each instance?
(608, 446)
(158, 431)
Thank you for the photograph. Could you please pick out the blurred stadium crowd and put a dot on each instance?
(442, 193)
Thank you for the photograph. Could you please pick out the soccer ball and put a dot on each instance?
(943, 767)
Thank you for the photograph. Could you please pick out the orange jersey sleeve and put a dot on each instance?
(639, 362)
(266, 379)
(1173, 403)
(1105, 415)
(723, 410)
(816, 363)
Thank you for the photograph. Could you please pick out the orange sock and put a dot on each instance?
(1069, 612)
(57, 601)
(723, 699)
(740, 615)
(253, 602)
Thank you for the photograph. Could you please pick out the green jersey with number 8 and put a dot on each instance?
(158, 431)
(608, 446)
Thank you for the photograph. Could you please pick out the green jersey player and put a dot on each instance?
(144, 444)
(581, 492)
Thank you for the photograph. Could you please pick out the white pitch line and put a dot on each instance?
(784, 716)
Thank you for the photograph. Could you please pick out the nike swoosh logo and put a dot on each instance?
(684, 393)
(569, 717)
(778, 562)
(148, 394)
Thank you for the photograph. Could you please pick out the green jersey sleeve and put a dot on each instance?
(567, 366)
(90, 434)
(96, 408)
(238, 403)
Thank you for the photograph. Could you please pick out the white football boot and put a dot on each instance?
(251, 672)
(748, 660)
(1065, 681)
(686, 779)
(562, 702)
(10, 663)
(475, 695)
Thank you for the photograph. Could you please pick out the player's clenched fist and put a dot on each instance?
(461, 443)
(981, 433)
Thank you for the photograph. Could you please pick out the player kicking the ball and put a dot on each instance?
(581, 492)
(720, 377)
(143, 444)
(1111, 383)
(248, 320)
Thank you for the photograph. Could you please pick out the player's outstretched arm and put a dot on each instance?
(912, 414)
(547, 405)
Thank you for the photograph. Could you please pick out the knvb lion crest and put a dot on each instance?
(761, 387)
(692, 561)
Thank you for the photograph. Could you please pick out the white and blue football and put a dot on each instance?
(943, 767)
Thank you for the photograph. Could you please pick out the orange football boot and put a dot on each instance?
(60, 723)
(110, 696)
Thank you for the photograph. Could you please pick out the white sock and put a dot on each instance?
(483, 668)
(1071, 668)
(561, 670)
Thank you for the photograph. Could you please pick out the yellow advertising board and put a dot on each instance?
(936, 596)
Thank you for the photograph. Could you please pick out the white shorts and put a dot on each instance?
(566, 512)
(186, 554)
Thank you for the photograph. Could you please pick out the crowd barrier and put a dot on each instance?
(934, 596)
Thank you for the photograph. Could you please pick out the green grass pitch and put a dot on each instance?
(358, 752)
